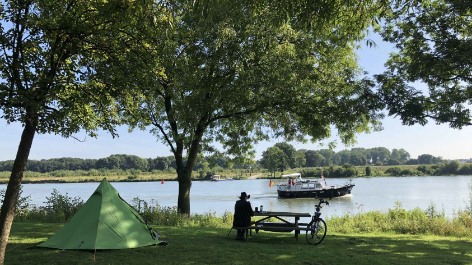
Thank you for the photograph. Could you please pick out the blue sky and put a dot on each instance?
(437, 140)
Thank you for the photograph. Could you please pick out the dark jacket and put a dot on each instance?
(242, 213)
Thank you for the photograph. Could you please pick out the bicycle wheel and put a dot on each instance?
(316, 232)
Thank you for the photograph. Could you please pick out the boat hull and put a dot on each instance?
(328, 192)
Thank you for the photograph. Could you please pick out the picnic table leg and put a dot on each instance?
(296, 226)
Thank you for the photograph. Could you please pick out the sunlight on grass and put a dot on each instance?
(284, 257)
(380, 250)
(413, 255)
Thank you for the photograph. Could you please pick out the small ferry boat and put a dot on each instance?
(296, 187)
(219, 178)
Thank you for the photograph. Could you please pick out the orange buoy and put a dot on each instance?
(162, 182)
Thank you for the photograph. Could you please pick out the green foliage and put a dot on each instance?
(206, 173)
(169, 216)
(433, 40)
(59, 208)
(448, 168)
(399, 172)
(346, 171)
(401, 221)
(22, 205)
(368, 171)
(310, 173)
(424, 169)
(115, 163)
(274, 159)
(46, 86)
(236, 73)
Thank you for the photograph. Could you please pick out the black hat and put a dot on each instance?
(244, 195)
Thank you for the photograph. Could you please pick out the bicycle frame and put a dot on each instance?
(316, 229)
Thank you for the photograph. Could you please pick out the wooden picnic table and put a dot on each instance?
(283, 226)
(282, 217)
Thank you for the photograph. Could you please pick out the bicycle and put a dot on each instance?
(316, 229)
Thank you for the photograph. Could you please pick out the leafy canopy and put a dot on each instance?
(235, 76)
(47, 48)
(434, 41)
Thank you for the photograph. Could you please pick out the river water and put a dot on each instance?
(448, 194)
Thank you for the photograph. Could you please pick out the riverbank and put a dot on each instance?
(196, 245)
(81, 176)
(110, 178)
(133, 175)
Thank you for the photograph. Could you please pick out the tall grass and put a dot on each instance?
(401, 221)
(169, 216)
(59, 208)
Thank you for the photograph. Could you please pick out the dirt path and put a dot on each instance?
(254, 176)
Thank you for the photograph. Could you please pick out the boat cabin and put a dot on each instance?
(216, 177)
(294, 186)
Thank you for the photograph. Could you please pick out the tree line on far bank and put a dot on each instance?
(444, 168)
(280, 157)
(283, 156)
(120, 161)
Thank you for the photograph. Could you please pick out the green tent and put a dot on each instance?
(105, 221)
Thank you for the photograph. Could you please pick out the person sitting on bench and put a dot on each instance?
(242, 214)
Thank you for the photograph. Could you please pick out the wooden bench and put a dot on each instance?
(272, 227)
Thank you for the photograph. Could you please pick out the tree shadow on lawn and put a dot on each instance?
(195, 245)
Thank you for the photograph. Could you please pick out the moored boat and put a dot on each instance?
(296, 187)
(219, 178)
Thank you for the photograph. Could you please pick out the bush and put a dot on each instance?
(59, 209)
(446, 168)
(401, 221)
(62, 207)
(22, 205)
(394, 171)
(310, 173)
(168, 216)
(346, 171)
(466, 169)
(205, 173)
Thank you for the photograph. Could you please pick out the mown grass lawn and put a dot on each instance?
(191, 245)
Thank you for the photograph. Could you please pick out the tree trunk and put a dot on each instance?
(185, 182)
(13, 189)
(185, 173)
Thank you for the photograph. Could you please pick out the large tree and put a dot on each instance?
(434, 40)
(239, 71)
(274, 159)
(313, 159)
(46, 50)
(289, 151)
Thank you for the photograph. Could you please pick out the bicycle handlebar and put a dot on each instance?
(322, 201)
